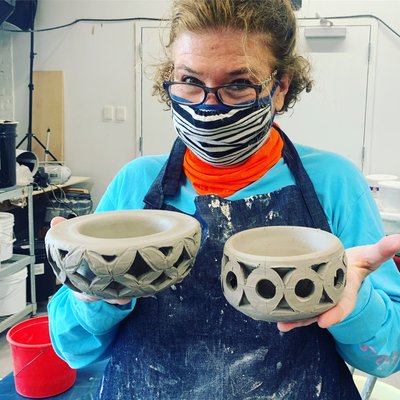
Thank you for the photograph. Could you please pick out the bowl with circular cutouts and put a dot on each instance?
(283, 273)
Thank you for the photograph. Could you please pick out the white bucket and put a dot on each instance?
(13, 293)
(374, 179)
(389, 196)
(391, 222)
(6, 235)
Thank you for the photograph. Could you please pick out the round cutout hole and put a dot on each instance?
(304, 288)
(231, 281)
(266, 289)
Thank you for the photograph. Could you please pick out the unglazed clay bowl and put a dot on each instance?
(283, 273)
(120, 254)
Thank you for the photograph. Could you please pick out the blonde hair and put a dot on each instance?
(273, 20)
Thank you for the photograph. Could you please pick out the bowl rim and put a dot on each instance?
(66, 234)
(333, 247)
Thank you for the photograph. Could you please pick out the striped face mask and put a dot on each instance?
(221, 135)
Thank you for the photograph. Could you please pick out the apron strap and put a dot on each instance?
(171, 175)
(169, 178)
(303, 181)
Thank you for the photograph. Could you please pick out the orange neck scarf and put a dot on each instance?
(224, 181)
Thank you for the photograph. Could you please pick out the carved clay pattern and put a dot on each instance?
(111, 279)
(133, 272)
(283, 291)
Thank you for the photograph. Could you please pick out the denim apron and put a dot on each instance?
(188, 343)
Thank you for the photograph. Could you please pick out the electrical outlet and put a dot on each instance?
(120, 113)
(108, 113)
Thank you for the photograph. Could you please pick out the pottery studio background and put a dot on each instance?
(92, 80)
(107, 109)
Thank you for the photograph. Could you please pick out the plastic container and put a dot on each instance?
(38, 371)
(389, 196)
(13, 293)
(374, 179)
(6, 235)
(373, 182)
(29, 159)
(391, 222)
(8, 164)
(44, 276)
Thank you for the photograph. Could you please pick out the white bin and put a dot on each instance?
(13, 293)
(6, 235)
(389, 196)
(374, 179)
(391, 222)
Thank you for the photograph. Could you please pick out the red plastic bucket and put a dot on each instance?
(38, 371)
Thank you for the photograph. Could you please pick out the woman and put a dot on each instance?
(232, 68)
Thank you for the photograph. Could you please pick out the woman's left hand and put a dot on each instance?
(362, 260)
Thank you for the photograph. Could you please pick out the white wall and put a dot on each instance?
(98, 63)
(386, 136)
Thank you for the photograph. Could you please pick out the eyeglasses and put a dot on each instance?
(235, 94)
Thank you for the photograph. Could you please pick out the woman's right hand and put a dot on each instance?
(82, 296)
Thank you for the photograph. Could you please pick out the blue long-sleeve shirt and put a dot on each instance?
(368, 339)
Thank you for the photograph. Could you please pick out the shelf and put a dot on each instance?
(18, 261)
(8, 322)
(15, 264)
(74, 180)
(12, 192)
(18, 192)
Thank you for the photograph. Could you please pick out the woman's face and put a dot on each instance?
(219, 58)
